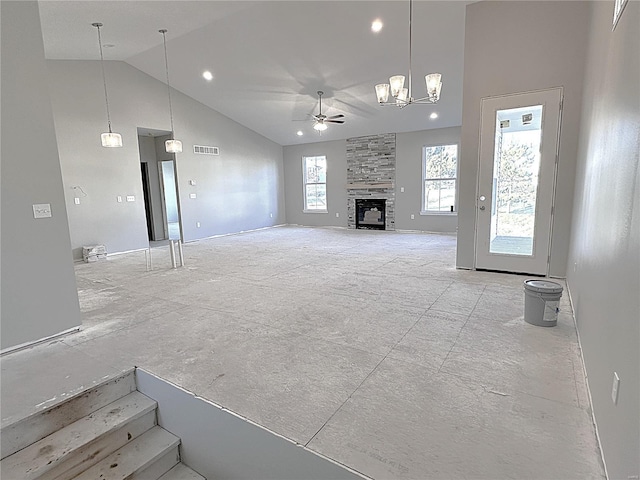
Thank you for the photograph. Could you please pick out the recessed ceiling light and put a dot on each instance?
(433, 116)
(207, 75)
(376, 26)
(299, 133)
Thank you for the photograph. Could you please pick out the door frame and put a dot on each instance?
(560, 91)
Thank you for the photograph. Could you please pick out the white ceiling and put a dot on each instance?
(269, 58)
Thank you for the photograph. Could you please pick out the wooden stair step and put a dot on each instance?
(26, 431)
(85, 442)
(149, 456)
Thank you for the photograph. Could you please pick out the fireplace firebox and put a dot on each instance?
(370, 213)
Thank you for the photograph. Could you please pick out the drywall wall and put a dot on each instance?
(218, 444)
(336, 153)
(147, 146)
(604, 260)
(408, 174)
(513, 47)
(238, 190)
(39, 296)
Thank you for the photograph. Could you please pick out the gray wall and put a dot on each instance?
(604, 260)
(408, 174)
(336, 153)
(236, 191)
(513, 47)
(39, 296)
(218, 444)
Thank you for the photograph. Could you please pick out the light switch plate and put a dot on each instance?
(119, 198)
(192, 195)
(42, 210)
(131, 198)
(76, 200)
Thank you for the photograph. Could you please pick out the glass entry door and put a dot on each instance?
(518, 146)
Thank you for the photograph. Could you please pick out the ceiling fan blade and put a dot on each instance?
(333, 117)
(334, 121)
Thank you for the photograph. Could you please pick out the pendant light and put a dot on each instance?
(108, 139)
(401, 97)
(172, 145)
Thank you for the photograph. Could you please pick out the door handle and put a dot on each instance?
(481, 207)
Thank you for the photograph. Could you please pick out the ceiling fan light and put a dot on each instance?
(110, 139)
(320, 126)
(396, 82)
(434, 85)
(382, 92)
(173, 146)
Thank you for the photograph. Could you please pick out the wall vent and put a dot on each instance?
(205, 150)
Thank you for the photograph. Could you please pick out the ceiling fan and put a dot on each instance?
(321, 120)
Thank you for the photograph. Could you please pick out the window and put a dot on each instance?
(315, 184)
(439, 167)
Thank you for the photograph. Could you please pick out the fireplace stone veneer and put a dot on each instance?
(371, 174)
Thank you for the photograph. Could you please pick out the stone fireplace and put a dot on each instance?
(371, 174)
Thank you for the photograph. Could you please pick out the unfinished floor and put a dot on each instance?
(368, 347)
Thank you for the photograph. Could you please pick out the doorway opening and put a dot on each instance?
(159, 184)
(519, 138)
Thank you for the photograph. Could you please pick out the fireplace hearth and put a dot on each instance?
(370, 213)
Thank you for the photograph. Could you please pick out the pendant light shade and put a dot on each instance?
(172, 145)
(108, 139)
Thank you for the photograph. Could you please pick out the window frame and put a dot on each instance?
(305, 209)
(423, 201)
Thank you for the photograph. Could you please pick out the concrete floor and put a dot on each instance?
(368, 347)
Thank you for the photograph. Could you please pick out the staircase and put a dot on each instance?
(107, 432)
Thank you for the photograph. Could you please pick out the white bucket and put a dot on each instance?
(541, 302)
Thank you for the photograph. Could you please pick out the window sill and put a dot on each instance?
(315, 211)
(440, 214)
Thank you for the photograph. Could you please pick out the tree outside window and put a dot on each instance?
(440, 166)
(315, 183)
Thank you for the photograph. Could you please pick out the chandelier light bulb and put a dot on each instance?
(382, 92)
(396, 83)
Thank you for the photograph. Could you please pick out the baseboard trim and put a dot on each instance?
(26, 345)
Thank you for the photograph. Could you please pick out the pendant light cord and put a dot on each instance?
(410, 31)
(104, 78)
(166, 65)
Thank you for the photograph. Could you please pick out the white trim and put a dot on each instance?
(22, 346)
(304, 184)
(315, 211)
(439, 214)
(423, 202)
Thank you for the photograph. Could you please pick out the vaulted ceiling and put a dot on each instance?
(269, 58)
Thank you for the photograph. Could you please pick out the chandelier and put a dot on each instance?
(401, 96)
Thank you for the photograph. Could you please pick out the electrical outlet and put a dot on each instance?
(271, 215)
(197, 224)
(76, 200)
(192, 195)
(401, 189)
(413, 217)
(337, 214)
(616, 387)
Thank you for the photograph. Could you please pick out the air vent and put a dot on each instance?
(205, 150)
